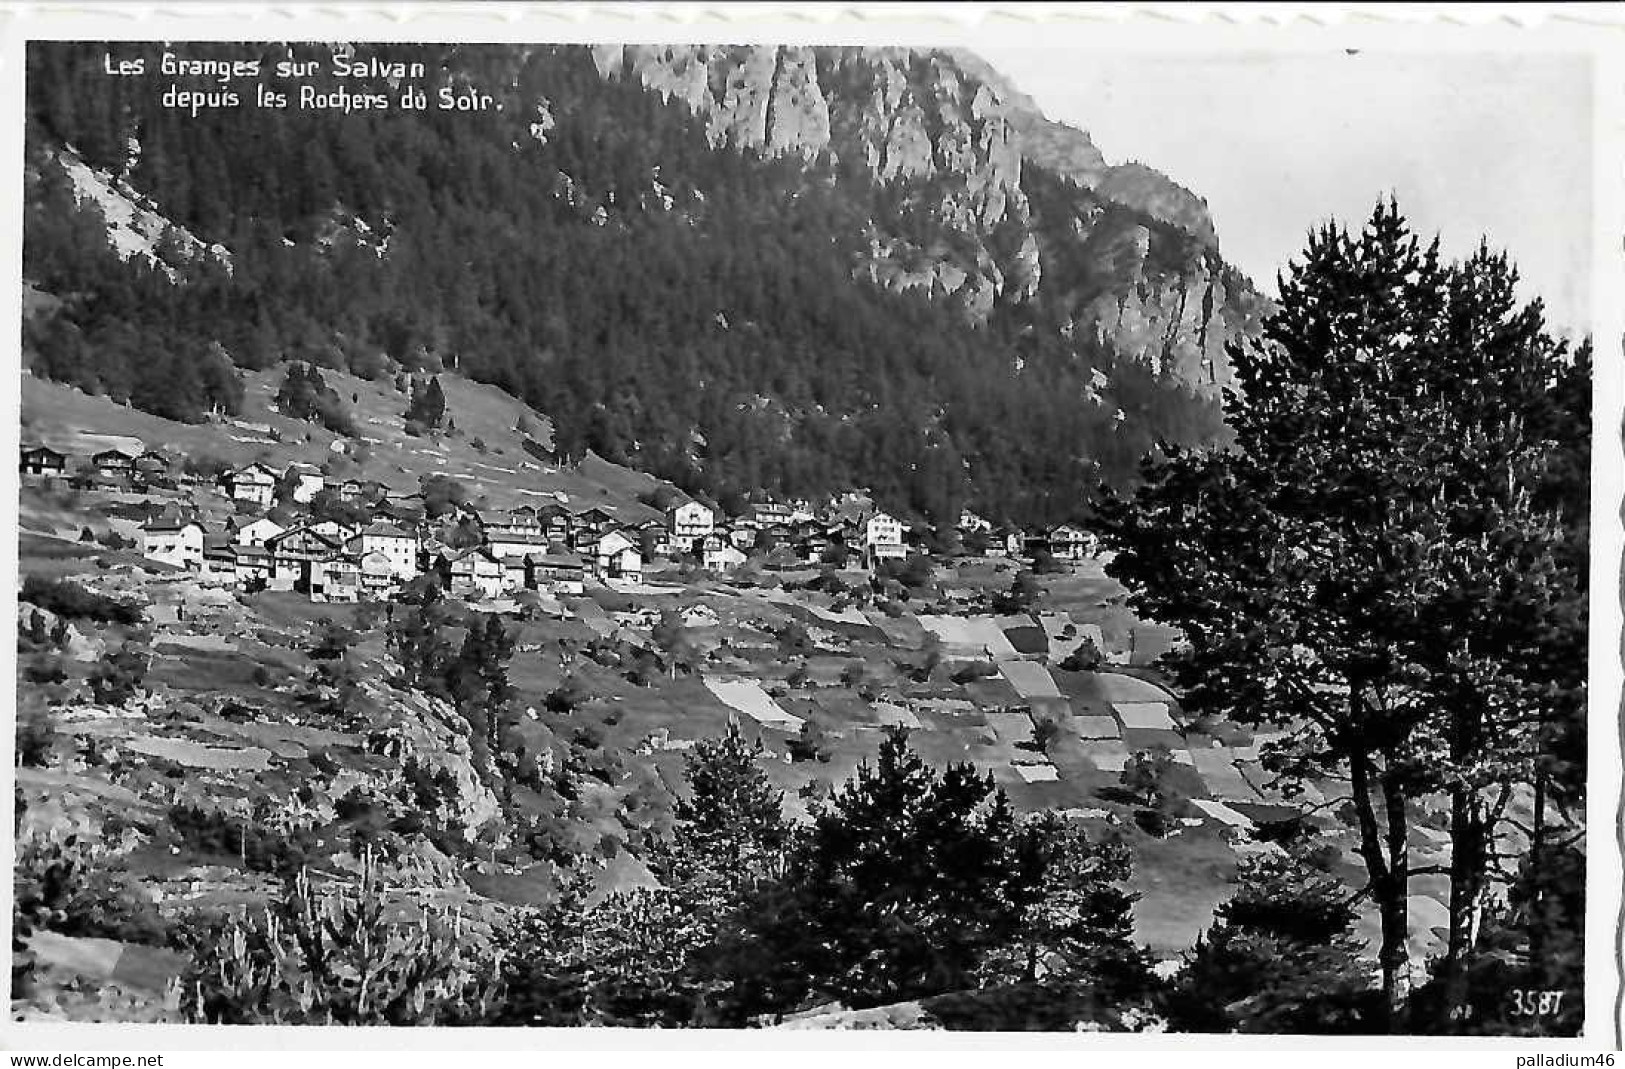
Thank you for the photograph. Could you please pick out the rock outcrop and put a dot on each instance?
(945, 140)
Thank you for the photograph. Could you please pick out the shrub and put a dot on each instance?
(1085, 658)
(36, 735)
(68, 599)
(116, 680)
(45, 673)
(262, 849)
(810, 745)
(334, 957)
(566, 697)
(1154, 822)
(1146, 776)
(1045, 732)
(1044, 563)
(72, 886)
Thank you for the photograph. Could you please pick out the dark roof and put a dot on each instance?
(557, 560)
(385, 530)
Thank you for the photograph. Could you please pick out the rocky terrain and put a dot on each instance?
(965, 142)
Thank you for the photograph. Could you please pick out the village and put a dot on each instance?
(264, 555)
(357, 540)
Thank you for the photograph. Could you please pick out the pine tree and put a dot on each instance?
(1280, 957)
(730, 830)
(905, 881)
(1332, 571)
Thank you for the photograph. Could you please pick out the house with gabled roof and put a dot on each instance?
(717, 554)
(114, 463)
(1069, 542)
(618, 557)
(219, 559)
(689, 522)
(378, 579)
(473, 573)
(41, 463)
(254, 483)
(398, 545)
(294, 554)
(333, 530)
(335, 579)
(256, 531)
(358, 491)
(596, 519)
(557, 570)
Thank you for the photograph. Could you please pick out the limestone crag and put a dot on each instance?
(944, 139)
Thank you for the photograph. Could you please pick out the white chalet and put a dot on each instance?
(333, 530)
(617, 557)
(257, 532)
(720, 556)
(689, 522)
(253, 482)
(397, 545)
(172, 540)
(378, 578)
(475, 573)
(883, 529)
(1070, 543)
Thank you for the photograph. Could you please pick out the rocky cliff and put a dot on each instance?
(954, 151)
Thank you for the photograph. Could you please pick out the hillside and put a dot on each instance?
(737, 269)
(487, 454)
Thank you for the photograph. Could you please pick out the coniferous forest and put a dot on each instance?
(684, 307)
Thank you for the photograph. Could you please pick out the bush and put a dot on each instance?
(1044, 732)
(333, 957)
(810, 745)
(1086, 658)
(116, 680)
(68, 599)
(1154, 822)
(72, 886)
(1044, 563)
(36, 735)
(973, 671)
(1146, 776)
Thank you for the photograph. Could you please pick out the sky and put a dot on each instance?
(1473, 145)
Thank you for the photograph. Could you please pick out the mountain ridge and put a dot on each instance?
(738, 268)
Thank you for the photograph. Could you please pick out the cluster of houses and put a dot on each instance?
(388, 540)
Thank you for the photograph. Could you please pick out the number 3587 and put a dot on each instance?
(1531, 1003)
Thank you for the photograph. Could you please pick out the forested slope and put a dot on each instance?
(935, 319)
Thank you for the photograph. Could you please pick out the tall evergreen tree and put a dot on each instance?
(1331, 569)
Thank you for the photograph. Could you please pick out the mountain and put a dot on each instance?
(738, 268)
(968, 143)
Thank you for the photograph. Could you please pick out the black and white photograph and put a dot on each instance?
(980, 535)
